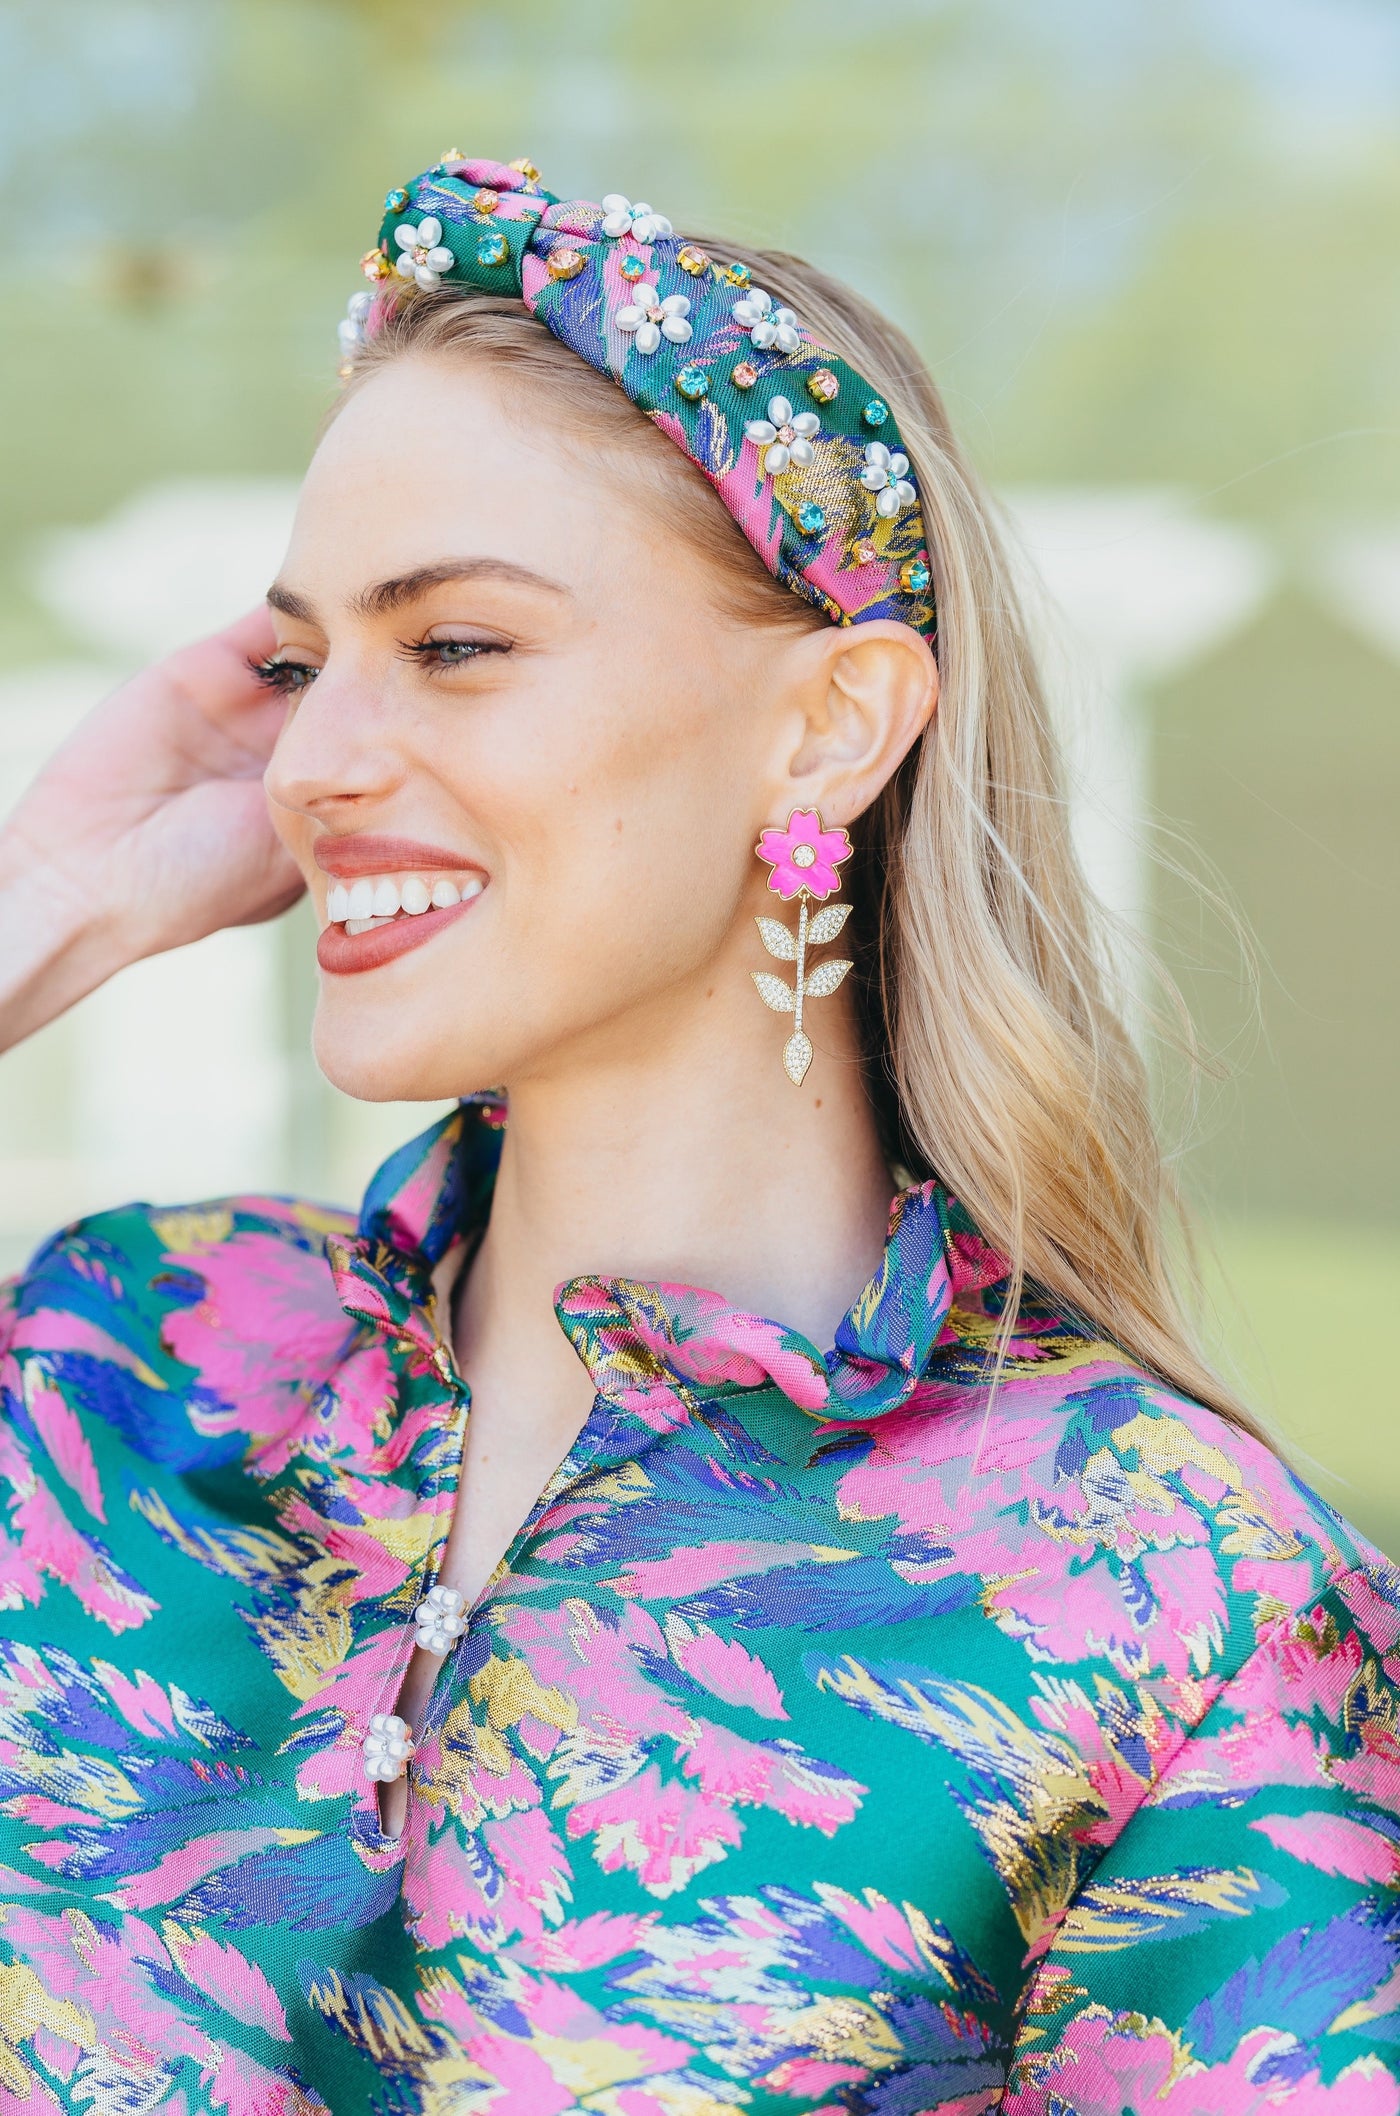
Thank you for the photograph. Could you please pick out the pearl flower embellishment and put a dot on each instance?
(621, 217)
(765, 324)
(441, 1619)
(887, 476)
(351, 328)
(785, 436)
(387, 1747)
(421, 254)
(653, 319)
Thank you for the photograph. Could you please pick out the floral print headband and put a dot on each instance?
(803, 453)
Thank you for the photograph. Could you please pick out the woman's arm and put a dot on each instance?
(146, 830)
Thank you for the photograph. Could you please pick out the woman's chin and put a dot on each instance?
(384, 1062)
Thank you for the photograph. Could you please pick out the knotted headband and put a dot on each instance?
(801, 450)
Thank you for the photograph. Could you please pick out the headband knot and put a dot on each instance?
(805, 455)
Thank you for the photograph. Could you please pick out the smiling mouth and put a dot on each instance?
(373, 918)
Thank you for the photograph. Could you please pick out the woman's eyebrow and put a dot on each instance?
(386, 596)
(290, 604)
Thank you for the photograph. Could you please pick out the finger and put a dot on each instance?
(214, 678)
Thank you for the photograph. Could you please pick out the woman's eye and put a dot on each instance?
(438, 654)
(285, 676)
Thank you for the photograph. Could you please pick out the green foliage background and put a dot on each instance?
(1143, 244)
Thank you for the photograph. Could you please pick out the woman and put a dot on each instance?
(977, 1715)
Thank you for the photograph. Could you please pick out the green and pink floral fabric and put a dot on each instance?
(840, 1737)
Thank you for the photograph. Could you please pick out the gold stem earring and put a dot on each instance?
(804, 859)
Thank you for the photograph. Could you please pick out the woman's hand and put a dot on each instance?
(149, 828)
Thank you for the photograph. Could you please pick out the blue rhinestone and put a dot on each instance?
(811, 519)
(876, 412)
(914, 576)
(492, 250)
(694, 383)
(396, 201)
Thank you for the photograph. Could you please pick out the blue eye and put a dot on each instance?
(439, 654)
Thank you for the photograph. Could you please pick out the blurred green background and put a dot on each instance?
(1149, 250)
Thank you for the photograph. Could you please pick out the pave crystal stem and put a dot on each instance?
(797, 1051)
(801, 957)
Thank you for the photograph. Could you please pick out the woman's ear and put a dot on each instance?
(868, 695)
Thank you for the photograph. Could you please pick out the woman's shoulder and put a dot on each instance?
(179, 1326)
(1108, 1516)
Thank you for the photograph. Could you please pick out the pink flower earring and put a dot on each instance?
(804, 859)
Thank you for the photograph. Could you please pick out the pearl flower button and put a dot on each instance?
(441, 1619)
(387, 1747)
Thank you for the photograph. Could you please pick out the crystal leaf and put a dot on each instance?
(797, 1056)
(825, 978)
(827, 924)
(774, 993)
(777, 940)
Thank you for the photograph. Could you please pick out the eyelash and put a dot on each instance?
(436, 655)
(423, 650)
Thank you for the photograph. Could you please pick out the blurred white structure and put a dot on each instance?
(175, 562)
(1126, 589)
(1360, 574)
(189, 1075)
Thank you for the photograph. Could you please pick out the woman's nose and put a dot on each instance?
(336, 748)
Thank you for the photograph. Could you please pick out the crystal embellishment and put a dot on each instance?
(441, 1618)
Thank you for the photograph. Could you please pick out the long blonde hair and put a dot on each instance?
(999, 1058)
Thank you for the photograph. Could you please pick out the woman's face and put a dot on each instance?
(515, 700)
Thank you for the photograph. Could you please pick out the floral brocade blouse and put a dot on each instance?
(837, 1738)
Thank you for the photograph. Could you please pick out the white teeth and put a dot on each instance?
(374, 900)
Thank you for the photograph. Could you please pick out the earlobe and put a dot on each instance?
(872, 693)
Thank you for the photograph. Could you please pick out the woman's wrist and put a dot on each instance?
(55, 944)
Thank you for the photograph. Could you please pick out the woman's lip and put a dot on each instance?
(343, 953)
(368, 852)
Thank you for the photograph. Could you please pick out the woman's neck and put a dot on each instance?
(700, 1164)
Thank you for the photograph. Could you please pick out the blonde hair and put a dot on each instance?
(999, 1058)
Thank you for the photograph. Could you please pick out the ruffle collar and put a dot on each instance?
(657, 1349)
